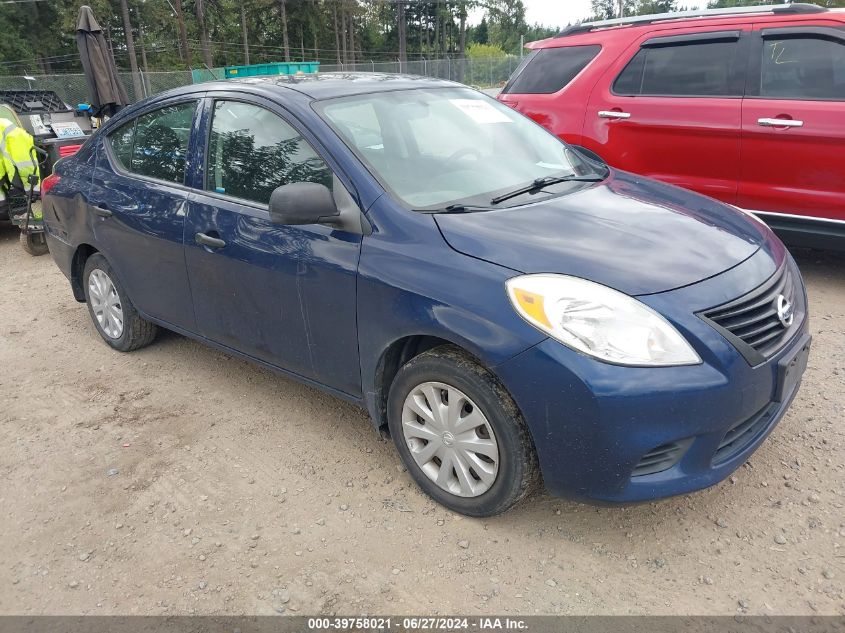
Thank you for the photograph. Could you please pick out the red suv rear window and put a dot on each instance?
(550, 69)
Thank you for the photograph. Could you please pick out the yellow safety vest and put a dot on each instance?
(15, 155)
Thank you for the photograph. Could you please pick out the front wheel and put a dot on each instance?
(460, 434)
(34, 243)
(111, 310)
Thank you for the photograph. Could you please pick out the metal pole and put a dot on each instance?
(521, 45)
(425, 67)
(373, 64)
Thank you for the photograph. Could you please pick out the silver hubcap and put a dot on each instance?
(105, 303)
(450, 439)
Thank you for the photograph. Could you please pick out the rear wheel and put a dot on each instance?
(111, 310)
(460, 434)
(34, 243)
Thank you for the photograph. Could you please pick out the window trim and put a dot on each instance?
(115, 164)
(737, 79)
(290, 119)
(798, 32)
(755, 64)
(692, 38)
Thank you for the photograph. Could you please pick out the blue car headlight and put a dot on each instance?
(599, 321)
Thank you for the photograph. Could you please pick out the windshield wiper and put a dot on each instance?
(539, 183)
(457, 208)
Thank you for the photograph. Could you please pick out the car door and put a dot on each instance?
(285, 295)
(793, 122)
(137, 201)
(670, 108)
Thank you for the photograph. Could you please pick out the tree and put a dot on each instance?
(608, 9)
(650, 7)
(183, 32)
(284, 16)
(462, 31)
(203, 29)
(38, 37)
(130, 47)
(245, 34)
(401, 26)
(479, 33)
(506, 23)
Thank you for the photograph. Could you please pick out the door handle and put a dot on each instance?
(102, 212)
(780, 123)
(614, 114)
(207, 240)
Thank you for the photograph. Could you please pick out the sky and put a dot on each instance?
(560, 12)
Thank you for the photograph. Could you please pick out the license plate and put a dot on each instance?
(67, 130)
(790, 370)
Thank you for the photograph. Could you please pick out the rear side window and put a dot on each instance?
(703, 69)
(121, 143)
(156, 143)
(160, 149)
(550, 69)
(803, 68)
(252, 151)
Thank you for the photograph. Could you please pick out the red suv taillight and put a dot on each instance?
(49, 182)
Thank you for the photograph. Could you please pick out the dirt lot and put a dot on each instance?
(238, 491)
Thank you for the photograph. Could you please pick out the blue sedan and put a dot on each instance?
(508, 308)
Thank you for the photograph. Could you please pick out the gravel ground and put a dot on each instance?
(179, 480)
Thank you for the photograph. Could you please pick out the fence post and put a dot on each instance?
(373, 64)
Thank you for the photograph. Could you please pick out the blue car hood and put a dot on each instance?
(627, 232)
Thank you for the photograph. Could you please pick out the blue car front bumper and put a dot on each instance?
(625, 434)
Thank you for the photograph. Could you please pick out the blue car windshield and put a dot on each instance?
(432, 148)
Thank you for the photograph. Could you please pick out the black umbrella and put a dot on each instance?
(107, 93)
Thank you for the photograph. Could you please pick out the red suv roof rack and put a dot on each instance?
(794, 8)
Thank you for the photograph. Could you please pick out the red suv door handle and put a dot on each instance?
(780, 122)
(614, 114)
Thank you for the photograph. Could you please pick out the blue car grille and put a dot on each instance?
(742, 435)
(752, 320)
(661, 458)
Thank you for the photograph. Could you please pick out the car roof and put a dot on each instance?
(323, 85)
(628, 28)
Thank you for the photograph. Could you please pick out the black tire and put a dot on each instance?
(518, 473)
(34, 243)
(137, 331)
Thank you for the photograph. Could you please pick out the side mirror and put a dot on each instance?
(302, 203)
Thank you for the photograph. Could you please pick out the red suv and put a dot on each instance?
(746, 105)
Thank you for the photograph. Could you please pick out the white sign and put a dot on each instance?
(480, 111)
(67, 130)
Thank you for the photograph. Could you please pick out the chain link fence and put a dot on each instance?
(73, 89)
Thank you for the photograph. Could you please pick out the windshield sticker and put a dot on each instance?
(480, 111)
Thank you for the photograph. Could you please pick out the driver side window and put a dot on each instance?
(252, 151)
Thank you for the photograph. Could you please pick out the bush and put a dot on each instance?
(479, 51)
